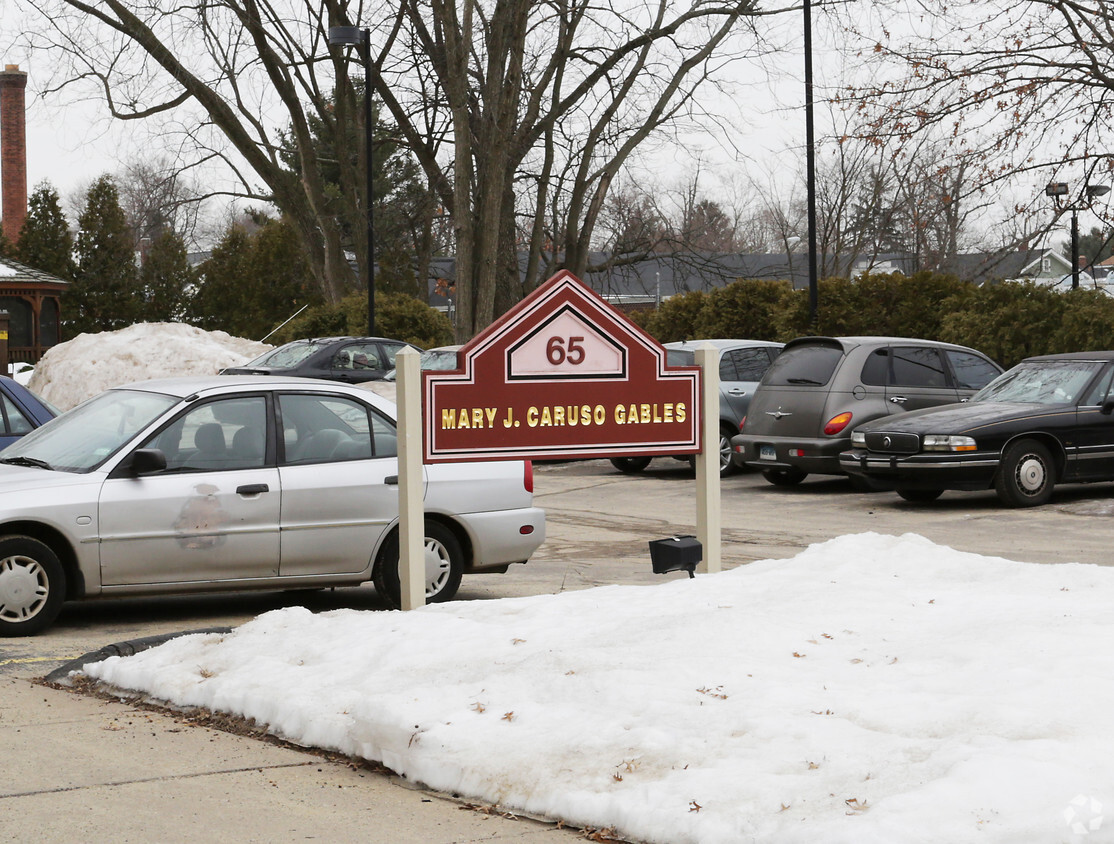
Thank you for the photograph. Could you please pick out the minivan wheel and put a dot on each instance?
(32, 586)
(784, 477)
(630, 465)
(1026, 475)
(726, 464)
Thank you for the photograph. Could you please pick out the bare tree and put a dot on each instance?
(157, 197)
(485, 95)
(1024, 87)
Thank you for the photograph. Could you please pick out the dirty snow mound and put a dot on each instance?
(73, 371)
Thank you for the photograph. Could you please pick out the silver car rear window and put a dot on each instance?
(803, 366)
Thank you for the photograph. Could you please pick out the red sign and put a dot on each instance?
(562, 374)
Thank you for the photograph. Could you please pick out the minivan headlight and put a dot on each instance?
(944, 442)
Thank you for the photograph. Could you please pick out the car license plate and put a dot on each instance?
(766, 452)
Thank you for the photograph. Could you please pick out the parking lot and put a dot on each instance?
(599, 522)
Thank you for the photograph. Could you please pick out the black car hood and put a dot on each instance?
(962, 418)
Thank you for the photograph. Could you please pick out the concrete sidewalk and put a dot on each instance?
(78, 768)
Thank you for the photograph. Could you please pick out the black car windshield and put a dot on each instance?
(290, 355)
(1042, 382)
(83, 438)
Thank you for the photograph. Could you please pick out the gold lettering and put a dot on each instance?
(547, 417)
(644, 415)
(668, 412)
(657, 416)
(509, 421)
(462, 419)
(620, 414)
(559, 416)
(477, 417)
(585, 415)
(490, 413)
(572, 414)
(448, 418)
(532, 417)
(681, 412)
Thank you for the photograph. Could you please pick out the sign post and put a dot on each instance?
(707, 463)
(411, 510)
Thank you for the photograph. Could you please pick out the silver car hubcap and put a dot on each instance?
(437, 566)
(1031, 475)
(24, 588)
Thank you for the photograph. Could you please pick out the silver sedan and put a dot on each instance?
(233, 483)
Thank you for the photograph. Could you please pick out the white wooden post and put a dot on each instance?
(411, 483)
(708, 516)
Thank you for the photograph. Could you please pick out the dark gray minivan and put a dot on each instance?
(820, 388)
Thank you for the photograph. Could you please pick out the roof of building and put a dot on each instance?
(13, 272)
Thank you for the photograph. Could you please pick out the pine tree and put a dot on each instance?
(105, 294)
(253, 282)
(45, 242)
(165, 279)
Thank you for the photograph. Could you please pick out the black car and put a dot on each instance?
(1048, 420)
(351, 359)
(821, 388)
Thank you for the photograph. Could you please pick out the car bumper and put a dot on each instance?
(922, 471)
(817, 456)
(502, 537)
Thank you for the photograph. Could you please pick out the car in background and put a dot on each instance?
(821, 388)
(1048, 420)
(21, 411)
(349, 359)
(742, 363)
(439, 358)
(231, 483)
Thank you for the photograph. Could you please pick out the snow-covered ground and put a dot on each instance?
(870, 689)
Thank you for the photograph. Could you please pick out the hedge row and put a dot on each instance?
(1007, 321)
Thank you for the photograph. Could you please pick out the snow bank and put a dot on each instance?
(871, 690)
(80, 368)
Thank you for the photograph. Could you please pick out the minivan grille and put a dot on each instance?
(893, 443)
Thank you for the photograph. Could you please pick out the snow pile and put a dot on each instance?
(82, 367)
(871, 689)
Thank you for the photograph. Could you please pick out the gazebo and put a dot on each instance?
(32, 300)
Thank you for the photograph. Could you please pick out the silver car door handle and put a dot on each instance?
(252, 489)
(736, 392)
(898, 399)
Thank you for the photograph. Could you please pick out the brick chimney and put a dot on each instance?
(13, 150)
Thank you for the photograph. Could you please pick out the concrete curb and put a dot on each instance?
(61, 675)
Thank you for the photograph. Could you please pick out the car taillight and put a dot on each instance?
(742, 422)
(837, 423)
(528, 475)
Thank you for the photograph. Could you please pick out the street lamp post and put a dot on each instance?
(1090, 192)
(354, 36)
(810, 177)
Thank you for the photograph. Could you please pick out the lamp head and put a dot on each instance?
(345, 36)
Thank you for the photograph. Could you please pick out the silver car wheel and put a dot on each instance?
(438, 566)
(24, 588)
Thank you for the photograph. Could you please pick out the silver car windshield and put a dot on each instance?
(83, 438)
(1042, 382)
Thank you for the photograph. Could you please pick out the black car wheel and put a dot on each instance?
(726, 464)
(920, 496)
(784, 477)
(444, 566)
(1026, 475)
(32, 586)
(630, 465)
